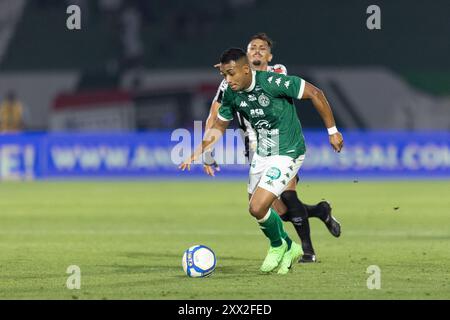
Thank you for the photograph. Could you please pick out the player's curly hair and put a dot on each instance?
(264, 37)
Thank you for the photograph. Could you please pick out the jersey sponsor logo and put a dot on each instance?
(278, 81)
(273, 173)
(251, 97)
(268, 132)
(270, 79)
(262, 124)
(256, 113)
(243, 104)
(263, 100)
(286, 84)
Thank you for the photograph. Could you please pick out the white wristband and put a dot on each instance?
(332, 130)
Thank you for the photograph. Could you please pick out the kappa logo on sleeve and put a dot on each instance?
(243, 104)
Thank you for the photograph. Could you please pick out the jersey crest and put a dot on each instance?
(263, 100)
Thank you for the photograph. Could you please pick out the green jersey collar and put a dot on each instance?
(252, 86)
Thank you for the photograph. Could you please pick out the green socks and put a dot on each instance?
(272, 226)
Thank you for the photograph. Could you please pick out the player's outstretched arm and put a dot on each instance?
(323, 107)
(210, 165)
(210, 138)
(213, 111)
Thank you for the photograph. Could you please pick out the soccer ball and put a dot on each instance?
(199, 261)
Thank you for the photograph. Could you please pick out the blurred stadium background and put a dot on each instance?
(102, 102)
(146, 67)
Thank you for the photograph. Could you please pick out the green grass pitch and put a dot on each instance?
(128, 239)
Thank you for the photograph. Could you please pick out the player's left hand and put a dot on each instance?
(186, 165)
(337, 141)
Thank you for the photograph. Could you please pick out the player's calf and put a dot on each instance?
(296, 213)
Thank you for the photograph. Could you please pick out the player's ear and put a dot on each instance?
(270, 58)
(246, 68)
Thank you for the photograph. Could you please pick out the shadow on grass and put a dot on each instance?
(159, 255)
(169, 264)
(156, 264)
(121, 268)
(170, 269)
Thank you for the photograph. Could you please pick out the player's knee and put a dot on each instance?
(257, 210)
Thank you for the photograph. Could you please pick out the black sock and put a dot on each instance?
(296, 213)
(316, 212)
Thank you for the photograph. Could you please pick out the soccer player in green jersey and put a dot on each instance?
(289, 206)
(266, 101)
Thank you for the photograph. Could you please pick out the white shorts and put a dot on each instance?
(273, 173)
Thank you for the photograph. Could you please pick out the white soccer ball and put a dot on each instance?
(199, 261)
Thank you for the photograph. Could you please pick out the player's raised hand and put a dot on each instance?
(337, 141)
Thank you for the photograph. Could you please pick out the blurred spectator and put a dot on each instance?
(110, 5)
(132, 45)
(239, 4)
(11, 114)
(45, 4)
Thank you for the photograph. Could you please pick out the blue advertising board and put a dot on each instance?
(393, 154)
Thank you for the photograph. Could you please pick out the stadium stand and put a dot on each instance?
(164, 56)
(10, 13)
